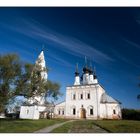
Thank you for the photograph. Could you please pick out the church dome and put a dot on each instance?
(76, 73)
(86, 70)
(90, 71)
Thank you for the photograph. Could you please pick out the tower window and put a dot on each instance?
(74, 111)
(81, 96)
(114, 111)
(88, 96)
(91, 111)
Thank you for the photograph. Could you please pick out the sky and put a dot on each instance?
(108, 37)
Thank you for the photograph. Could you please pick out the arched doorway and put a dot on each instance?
(83, 113)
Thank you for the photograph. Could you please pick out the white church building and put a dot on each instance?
(86, 98)
(37, 106)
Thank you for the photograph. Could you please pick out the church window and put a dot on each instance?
(74, 96)
(81, 96)
(59, 112)
(74, 111)
(63, 112)
(27, 111)
(88, 95)
(91, 111)
(114, 111)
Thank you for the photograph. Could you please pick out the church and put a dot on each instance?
(87, 99)
(37, 107)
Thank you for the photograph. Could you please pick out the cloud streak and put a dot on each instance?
(131, 43)
(73, 46)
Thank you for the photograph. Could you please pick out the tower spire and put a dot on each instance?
(76, 70)
(77, 78)
(85, 61)
(90, 68)
(42, 47)
(94, 73)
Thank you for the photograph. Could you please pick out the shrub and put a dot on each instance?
(130, 114)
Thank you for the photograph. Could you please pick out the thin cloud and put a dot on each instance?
(124, 59)
(131, 43)
(73, 46)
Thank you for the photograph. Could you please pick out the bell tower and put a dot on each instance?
(42, 64)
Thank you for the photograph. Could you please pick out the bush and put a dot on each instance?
(130, 114)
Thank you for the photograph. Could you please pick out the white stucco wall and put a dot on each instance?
(100, 110)
(106, 111)
(29, 112)
(95, 92)
(60, 109)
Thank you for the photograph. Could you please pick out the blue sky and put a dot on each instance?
(107, 36)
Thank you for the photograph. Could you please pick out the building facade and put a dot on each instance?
(88, 99)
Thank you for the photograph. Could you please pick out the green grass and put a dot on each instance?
(119, 126)
(112, 126)
(79, 126)
(63, 129)
(25, 126)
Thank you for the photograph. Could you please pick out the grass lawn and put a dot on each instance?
(79, 126)
(25, 126)
(119, 126)
(87, 126)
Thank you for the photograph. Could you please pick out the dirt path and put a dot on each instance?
(50, 128)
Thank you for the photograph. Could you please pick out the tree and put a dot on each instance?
(138, 96)
(10, 69)
(18, 79)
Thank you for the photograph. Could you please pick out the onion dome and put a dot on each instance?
(86, 69)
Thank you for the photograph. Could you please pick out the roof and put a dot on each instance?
(108, 99)
(60, 103)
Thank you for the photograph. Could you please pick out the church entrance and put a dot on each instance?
(83, 113)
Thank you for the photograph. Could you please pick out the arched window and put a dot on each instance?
(59, 112)
(62, 112)
(74, 96)
(114, 111)
(81, 96)
(74, 111)
(90, 110)
(88, 95)
(27, 111)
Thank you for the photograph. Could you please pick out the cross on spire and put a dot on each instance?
(85, 61)
(94, 72)
(42, 47)
(76, 67)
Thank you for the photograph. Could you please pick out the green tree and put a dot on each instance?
(17, 79)
(10, 69)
